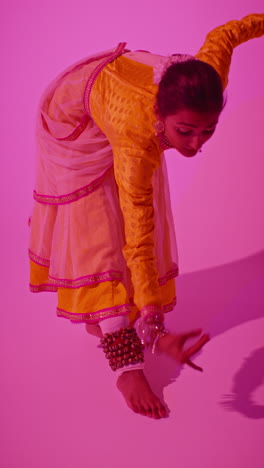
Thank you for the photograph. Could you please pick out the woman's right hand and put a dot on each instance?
(172, 345)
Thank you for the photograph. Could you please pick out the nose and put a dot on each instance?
(196, 143)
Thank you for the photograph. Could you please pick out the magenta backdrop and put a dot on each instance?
(59, 405)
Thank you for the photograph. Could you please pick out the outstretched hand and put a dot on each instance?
(172, 345)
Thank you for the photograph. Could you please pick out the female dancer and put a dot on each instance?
(102, 234)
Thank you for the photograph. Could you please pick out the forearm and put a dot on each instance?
(133, 175)
(219, 43)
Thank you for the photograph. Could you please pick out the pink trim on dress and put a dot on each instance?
(168, 307)
(102, 314)
(110, 275)
(95, 316)
(42, 287)
(87, 280)
(78, 130)
(88, 88)
(87, 62)
(153, 309)
(39, 260)
(169, 275)
(73, 196)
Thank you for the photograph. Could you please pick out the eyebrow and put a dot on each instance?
(194, 126)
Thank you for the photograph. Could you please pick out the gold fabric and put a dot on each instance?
(106, 299)
(122, 105)
(124, 110)
(219, 43)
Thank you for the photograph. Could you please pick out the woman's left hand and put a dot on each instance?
(172, 345)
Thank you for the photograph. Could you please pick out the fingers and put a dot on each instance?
(197, 346)
(194, 349)
(196, 332)
(193, 333)
(194, 366)
(173, 345)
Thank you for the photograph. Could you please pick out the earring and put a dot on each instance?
(159, 127)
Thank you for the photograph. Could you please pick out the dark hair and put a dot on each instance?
(193, 85)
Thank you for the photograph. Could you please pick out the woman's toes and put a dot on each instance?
(162, 412)
(158, 409)
(139, 396)
(161, 409)
(153, 412)
(149, 413)
(156, 414)
(159, 412)
(143, 411)
(135, 408)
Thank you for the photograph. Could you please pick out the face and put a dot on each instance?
(187, 130)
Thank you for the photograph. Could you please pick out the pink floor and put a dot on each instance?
(58, 397)
(59, 404)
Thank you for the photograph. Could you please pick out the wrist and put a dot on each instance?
(150, 328)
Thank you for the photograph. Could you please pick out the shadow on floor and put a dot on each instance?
(216, 300)
(248, 378)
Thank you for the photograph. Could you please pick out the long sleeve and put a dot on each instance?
(133, 173)
(219, 43)
(125, 114)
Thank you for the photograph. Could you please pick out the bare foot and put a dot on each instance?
(172, 345)
(138, 394)
(94, 329)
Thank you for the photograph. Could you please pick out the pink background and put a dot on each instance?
(59, 404)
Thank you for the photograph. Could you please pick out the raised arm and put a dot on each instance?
(219, 43)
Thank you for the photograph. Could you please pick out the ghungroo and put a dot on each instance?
(122, 348)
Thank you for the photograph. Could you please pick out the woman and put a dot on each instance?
(102, 234)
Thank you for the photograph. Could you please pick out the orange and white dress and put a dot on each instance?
(102, 233)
